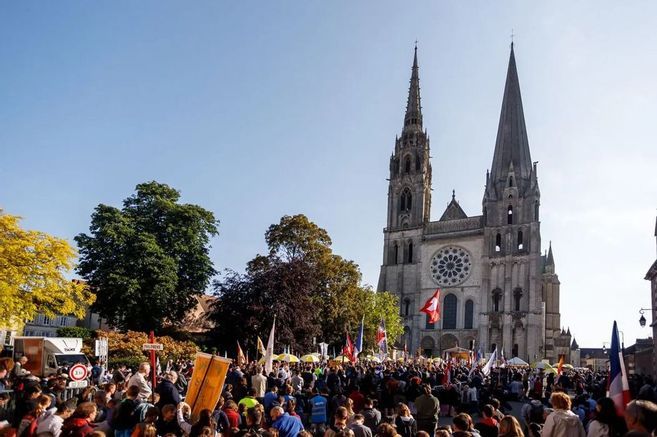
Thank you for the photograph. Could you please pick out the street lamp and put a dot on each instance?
(642, 319)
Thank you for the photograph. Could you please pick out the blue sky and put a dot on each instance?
(259, 109)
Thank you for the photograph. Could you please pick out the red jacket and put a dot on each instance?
(76, 427)
(233, 417)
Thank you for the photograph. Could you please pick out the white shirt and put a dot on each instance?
(50, 424)
(144, 389)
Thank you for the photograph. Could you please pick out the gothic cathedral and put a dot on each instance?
(497, 288)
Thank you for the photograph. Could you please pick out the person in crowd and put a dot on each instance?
(487, 425)
(404, 422)
(259, 384)
(359, 428)
(167, 390)
(140, 380)
(253, 422)
(126, 416)
(428, 409)
(463, 427)
(641, 418)
(605, 422)
(147, 428)
(339, 427)
(30, 421)
(249, 401)
(80, 422)
(562, 422)
(372, 415)
(167, 422)
(510, 427)
(50, 425)
(205, 426)
(286, 425)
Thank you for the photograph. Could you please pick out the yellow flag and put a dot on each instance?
(261, 346)
(207, 382)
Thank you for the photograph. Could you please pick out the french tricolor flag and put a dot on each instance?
(619, 389)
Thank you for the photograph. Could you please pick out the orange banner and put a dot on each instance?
(207, 382)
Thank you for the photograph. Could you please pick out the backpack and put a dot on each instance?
(31, 423)
(536, 413)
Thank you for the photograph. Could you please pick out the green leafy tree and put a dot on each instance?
(148, 261)
(75, 332)
(312, 291)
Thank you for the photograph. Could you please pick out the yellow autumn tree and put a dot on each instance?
(32, 275)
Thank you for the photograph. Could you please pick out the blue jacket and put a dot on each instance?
(288, 426)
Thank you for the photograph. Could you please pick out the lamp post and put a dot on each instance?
(642, 319)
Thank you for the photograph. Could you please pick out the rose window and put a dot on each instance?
(451, 266)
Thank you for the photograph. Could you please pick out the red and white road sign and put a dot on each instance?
(78, 372)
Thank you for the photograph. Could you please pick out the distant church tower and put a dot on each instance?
(497, 288)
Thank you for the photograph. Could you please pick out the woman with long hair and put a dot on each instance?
(510, 427)
(405, 423)
(606, 423)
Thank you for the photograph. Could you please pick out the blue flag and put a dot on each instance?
(359, 338)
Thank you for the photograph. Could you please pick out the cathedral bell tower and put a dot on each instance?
(511, 284)
(409, 192)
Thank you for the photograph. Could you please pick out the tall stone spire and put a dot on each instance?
(511, 146)
(413, 117)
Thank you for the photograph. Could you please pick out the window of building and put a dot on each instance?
(536, 211)
(521, 244)
(469, 314)
(406, 201)
(517, 296)
(510, 181)
(514, 351)
(509, 215)
(497, 299)
(395, 254)
(407, 307)
(449, 312)
(407, 165)
(493, 347)
(427, 324)
(417, 164)
(410, 252)
(498, 243)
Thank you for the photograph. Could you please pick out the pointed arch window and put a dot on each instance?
(521, 243)
(510, 181)
(407, 306)
(407, 165)
(498, 243)
(517, 297)
(509, 215)
(469, 314)
(410, 252)
(417, 163)
(536, 211)
(395, 253)
(449, 312)
(406, 201)
(497, 299)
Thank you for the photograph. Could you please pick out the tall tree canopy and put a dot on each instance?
(33, 266)
(148, 261)
(312, 291)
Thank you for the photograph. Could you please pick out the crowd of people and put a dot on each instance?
(412, 399)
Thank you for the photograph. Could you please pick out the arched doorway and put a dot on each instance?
(428, 345)
(448, 341)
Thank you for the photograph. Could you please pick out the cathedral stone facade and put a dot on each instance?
(497, 288)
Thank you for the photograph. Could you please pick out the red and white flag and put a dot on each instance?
(432, 307)
(348, 350)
